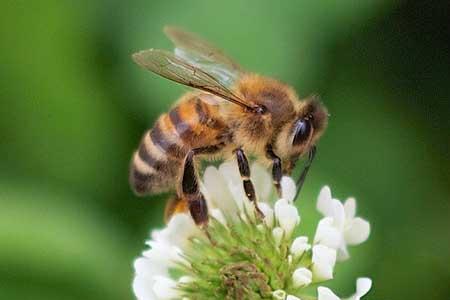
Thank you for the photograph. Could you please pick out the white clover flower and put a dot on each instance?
(363, 286)
(279, 295)
(340, 227)
(323, 259)
(287, 216)
(299, 246)
(247, 257)
(152, 279)
(301, 277)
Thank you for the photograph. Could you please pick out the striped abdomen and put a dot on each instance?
(157, 163)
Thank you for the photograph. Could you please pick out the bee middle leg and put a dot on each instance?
(277, 172)
(244, 170)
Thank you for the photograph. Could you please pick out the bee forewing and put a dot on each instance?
(224, 75)
(196, 49)
(170, 66)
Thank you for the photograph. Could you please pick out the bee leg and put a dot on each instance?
(191, 192)
(174, 205)
(276, 168)
(301, 179)
(190, 189)
(244, 170)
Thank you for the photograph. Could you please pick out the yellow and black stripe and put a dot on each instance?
(156, 164)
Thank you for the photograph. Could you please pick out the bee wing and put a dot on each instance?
(200, 53)
(170, 66)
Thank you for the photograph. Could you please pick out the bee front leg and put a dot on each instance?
(244, 170)
(276, 168)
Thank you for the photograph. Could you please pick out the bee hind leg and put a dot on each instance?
(244, 170)
(191, 192)
(190, 189)
(175, 204)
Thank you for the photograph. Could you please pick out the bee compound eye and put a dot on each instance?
(302, 130)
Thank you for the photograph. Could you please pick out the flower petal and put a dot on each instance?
(277, 234)
(218, 215)
(217, 192)
(323, 259)
(324, 203)
(327, 234)
(299, 246)
(301, 277)
(165, 288)
(358, 231)
(160, 256)
(324, 293)
(142, 288)
(338, 214)
(342, 253)
(268, 214)
(288, 188)
(291, 297)
(262, 181)
(186, 279)
(363, 286)
(148, 268)
(279, 295)
(179, 229)
(350, 208)
(287, 215)
(322, 272)
(230, 172)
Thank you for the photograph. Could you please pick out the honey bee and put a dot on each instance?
(231, 112)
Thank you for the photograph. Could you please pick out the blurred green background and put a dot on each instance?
(74, 105)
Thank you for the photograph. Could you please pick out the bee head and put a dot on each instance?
(296, 137)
